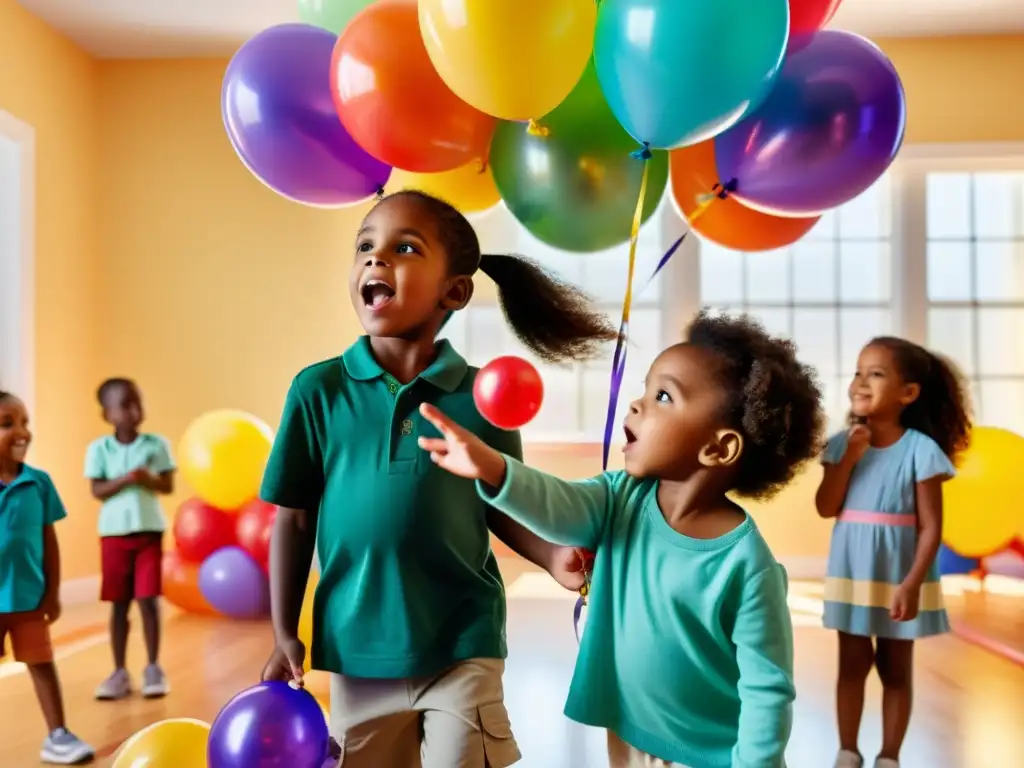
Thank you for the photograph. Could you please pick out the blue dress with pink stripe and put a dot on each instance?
(875, 540)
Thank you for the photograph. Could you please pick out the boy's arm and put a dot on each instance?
(159, 478)
(53, 512)
(763, 635)
(106, 489)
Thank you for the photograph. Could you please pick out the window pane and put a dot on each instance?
(721, 275)
(777, 322)
(645, 342)
(856, 328)
(768, 276)
(827, 228)
(568, 266)
(559, 413)
(864, 272)
(1000, 342)
(456, 332)
(998, 205)
(1002, 404)
(1000, 266)
(814, 271)
(603, 274)
(814, 332)
(489, 336)
(949, 332)
(835, 401)
(869, 215)
(948, 205)
(949, 271)
(499, 232)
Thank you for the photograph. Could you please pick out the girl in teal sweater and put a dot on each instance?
(688, 655)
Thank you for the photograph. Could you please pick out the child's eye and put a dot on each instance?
(364, 247)
(663, 396)
(406, 248)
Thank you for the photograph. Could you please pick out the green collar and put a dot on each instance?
(27, 475)
(446, 372)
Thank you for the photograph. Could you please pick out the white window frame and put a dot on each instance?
(17, 269)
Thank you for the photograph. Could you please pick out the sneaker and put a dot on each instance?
(848, 759)
(154, 682)
(62, 747)
(117, 686)
(886, 762)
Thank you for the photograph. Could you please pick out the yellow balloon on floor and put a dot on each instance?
(470, 187)
(306, 618)
(982, 506)
(167, 744)
(514, 60)
(223, 455)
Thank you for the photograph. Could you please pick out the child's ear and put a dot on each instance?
(723, 450)
(910, 393)
(460, 291)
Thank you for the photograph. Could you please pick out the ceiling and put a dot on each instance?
(196, 28)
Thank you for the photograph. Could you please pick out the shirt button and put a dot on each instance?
(392, 387)
(407, 427)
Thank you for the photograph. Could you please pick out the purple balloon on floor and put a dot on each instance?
(234, 584)
(829, 129)
(280, 116)
(270, 725)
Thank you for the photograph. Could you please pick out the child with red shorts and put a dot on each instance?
(30, 576)
(128, 471)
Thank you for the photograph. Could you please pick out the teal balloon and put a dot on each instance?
(332, 15)
(677, 72)
(575, 188)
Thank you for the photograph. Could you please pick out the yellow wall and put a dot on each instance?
(212, 291)
(47, 82)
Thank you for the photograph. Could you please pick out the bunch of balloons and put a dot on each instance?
(558, 106)
(222, 537)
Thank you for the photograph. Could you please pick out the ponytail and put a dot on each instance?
(553, 318)
(942, 409)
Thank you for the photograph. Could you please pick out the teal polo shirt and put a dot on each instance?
(408, 582)
(27, 505)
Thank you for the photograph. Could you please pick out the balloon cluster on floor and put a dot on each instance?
(269, 724)
(765, 121)
(982, 520)
(218, 566)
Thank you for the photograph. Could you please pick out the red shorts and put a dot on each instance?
(132, 567)
(30, 637)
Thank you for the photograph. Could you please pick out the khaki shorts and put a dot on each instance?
(622, 755)
(456, 719)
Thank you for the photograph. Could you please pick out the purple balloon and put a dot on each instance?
(234, 584)
(829, 129)
(280, 117)
(270, 725)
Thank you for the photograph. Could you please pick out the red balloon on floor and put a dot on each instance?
(200, 530)
(255, 524)
(508, 392)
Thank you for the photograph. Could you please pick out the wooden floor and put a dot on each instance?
(969, 710)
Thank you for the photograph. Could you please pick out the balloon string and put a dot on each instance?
(718, 192)
(536, 129)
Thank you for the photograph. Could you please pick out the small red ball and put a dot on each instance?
(508, 392)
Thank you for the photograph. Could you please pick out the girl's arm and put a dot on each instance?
(832, 491)
(929, 529)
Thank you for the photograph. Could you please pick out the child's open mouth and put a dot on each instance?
(377, 294)
(630, 438)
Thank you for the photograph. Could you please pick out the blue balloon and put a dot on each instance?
(953, 564)
(677, 72)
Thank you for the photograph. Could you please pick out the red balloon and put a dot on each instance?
(392, 101)
(806, 16)
(200, 530)
(508, 392)
(255, 524)
(181, 586)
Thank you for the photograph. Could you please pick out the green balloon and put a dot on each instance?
(576, 187)
(332, 15)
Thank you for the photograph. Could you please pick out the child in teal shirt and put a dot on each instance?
(687, 658)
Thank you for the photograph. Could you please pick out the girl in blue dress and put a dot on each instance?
(883, 486)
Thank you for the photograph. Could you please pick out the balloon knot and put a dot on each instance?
(536, 129)
(380, 192)
(644, 153)
(722, 191)
(481, 166)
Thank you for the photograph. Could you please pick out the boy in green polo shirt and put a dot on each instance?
(409, 613)
(30, 577)
(128, 470)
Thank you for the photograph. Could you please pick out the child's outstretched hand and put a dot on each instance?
(461, 452)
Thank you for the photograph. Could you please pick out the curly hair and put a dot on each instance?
(942, 409)
(772, 399)
(554, 319)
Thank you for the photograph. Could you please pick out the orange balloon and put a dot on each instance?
(391, 99)
(726, 222)
(181, 586)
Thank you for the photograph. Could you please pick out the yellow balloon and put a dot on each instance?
(306, 618)
(514, 60)
(470, 187)
(223, 455)
(981, 510)
(167, 744)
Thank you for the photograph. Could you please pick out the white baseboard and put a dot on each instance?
(80, 591)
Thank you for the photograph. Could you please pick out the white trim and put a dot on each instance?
(21, 292)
